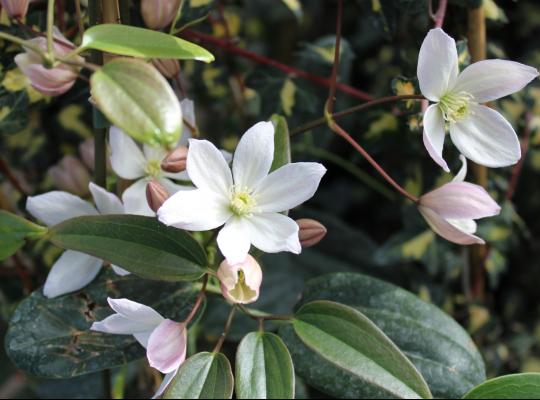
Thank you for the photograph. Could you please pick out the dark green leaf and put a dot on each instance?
(348, 341)
(194, 12)
(264, 368)
(51, 337)
(13, 231)
(134, 96)
(282, 143)
(141, 245)
(139, 42)
(203, 376)
(438, 346)
(518, 386)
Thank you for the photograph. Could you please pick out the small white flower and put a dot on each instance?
(73, 270)
(480, 133)
(247, 201)
(165, 341)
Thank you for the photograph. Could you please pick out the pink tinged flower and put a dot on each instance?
(16, 8)
(167, 346)
(451, 210)
(54, 81)
(240, 283)
(248, 200)
(73, 270)
(157, 14)
(480, 133)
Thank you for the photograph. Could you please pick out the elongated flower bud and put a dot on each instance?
(240, 283)
(157, 14)
(16, 8)
(169, 68)
(176, 160)
(156, 195)
(311, 232)
(71, 176)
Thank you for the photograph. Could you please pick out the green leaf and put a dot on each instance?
(264, 368)
(134, 96)
(282, 143)
(13, 231)
(139, 42)
(141, 245)
(347, 341)
(203, 376)
(51, 337)
(518, 386)
(436, 344)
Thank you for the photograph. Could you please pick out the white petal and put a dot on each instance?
(165, 383)
(234, 240)
(434, 133)
(460, 176)
(127, 159)
(106, 202)
(489, 80)
(71, 272)
(134, 199)
(465, 225)
(188, 113)
(447, 230)
(120, 271)
(253, 156)
(486, 138)
(143, 337)
(119, 325)
(437, 64)
(136, 311)
(172, 187)
(274, 232)
(195, 210)
(55, 207)
(207, 168)
(178, 176)
(288, 186)
(152, 153)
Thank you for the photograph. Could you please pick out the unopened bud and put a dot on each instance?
(311, 232)
(156, 195)
(71, 175)
(240, 283)
(15, 8)
(169, 68)
(158, 14)
(176, 160)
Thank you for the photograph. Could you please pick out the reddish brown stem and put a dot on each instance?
(232, 48)
(335, 67)
(440, 14)
(198, 302)
(8, 173)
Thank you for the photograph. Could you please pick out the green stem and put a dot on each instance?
(176, 18)
(226, 330)
(50, 24)
(25, 43)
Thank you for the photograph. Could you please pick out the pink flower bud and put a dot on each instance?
(176, 160)
(156, 195)
(169, 68)
(240, 283)
(167, 346)
(16, 8)
(71, 176)
(87, 151)
(49, 81)
(310, 232)
(451, 210)
(157, 14)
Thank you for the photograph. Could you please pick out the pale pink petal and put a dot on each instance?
(135, 311)
(447, 230)
(236, 291)
(167, 346)
(434, 133)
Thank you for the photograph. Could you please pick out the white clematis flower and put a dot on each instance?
(165, 341)
(247, 201)
(73, 270)
(481, 134)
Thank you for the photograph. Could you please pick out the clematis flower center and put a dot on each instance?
(153, 168)
(455, 106)
(242, 202)
(242, 292)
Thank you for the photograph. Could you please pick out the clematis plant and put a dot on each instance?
(248, 200)
(73, 270)
(480, 133)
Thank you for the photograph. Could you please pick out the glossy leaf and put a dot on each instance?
(13, 231)
(344, 340)
(139, 42)
(282, 142)
(518, 386)
(436, 344)
(134, 96)
(203, 376)
(264, 368)
(51, 337)
(141, 245)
